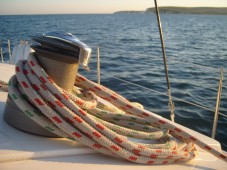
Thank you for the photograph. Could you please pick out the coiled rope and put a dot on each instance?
(80, 116)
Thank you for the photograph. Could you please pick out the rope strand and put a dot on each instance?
(83, 118)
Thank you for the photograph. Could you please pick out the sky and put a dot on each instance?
(12, 7)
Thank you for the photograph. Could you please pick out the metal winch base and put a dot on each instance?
(18, 119)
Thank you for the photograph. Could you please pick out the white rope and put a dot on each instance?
(82, 118)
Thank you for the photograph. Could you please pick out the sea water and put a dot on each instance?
(130, 49)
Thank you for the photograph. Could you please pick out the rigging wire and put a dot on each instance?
(171, 104)
(164, 94)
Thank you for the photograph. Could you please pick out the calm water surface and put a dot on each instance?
(130, 49)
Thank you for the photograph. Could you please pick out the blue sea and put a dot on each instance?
(130, 49)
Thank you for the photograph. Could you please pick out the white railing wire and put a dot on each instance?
(161, 93)
(164, 94)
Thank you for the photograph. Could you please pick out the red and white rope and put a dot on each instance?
(90, 122)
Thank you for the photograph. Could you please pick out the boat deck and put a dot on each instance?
(16, 147)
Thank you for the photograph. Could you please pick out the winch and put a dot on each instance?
(59, 54)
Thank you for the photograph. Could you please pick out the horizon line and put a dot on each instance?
(107, 13)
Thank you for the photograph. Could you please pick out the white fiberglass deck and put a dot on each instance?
(53, 153)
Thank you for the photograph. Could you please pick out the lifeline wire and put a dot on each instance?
(83, 118)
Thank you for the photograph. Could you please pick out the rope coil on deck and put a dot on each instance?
(83, 118)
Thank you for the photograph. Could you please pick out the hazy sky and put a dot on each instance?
(93, 6)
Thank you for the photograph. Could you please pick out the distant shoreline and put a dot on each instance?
(163, 10)
(182, 10)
